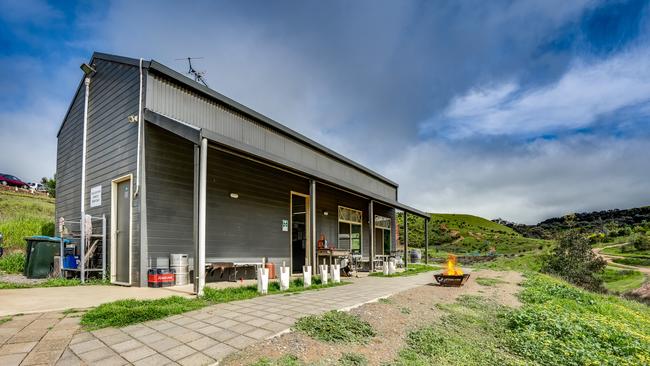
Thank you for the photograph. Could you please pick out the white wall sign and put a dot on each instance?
(285, 225)
(96, 196)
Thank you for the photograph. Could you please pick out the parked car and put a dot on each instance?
(37, 187)
(10, 180)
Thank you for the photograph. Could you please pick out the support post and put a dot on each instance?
(426, 241)
(103, 246)
(312, 224)
(203, 169)
(82, 248)
(371, 222)
(195, 218)
(406, 240)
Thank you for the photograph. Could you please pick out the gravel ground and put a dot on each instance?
(391, 319)
(19, 279)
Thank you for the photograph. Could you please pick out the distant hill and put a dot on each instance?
(465, 234)
(588, 222)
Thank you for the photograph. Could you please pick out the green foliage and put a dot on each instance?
(12, 263)
(24, 215)
(484, 281)
(640, 241)
(621, 280)
(336, 327)
(411, 270)
(55, 282)
(124, 312)
(573, 260)
(563, 325)
(352, 359)
(50, 185)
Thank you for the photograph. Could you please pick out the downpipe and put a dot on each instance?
(140, 142)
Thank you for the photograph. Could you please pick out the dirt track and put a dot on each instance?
(609, 258)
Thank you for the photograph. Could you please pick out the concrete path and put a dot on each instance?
(47, 299)
(199, 337)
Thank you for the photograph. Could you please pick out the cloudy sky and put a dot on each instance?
(514, 109)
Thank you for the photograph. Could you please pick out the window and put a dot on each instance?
(350, 228)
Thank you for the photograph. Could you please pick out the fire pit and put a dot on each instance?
(451, 276)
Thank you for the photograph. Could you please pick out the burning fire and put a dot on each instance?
(451, 269)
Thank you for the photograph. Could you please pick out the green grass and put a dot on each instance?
(633, 261)
(336, 327)
(12, 262)
(530, 262)
(5, 319)
(286, 360)
(484, 281)
(468, 234)
(625, 252)
(411, 270)
(621, 280)
(127, 312)
(24, 215)
(558, 324)
(53, 282)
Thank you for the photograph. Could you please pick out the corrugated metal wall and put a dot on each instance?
(248, 227)
(111, 147)
(170, 195)
(169, 99)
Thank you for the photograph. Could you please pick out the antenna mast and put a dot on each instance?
(197, 75)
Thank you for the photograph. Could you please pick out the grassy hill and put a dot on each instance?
(23, 214)
(468, 234)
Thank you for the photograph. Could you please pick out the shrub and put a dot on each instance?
(12, 263)
(336, 327)
(640, 241)
(573, 260)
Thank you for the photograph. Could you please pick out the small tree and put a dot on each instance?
(50, 185)
(640, 241)
(573, 260)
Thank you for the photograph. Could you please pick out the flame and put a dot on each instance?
(451, 269)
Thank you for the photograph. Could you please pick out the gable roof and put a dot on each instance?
(185, 81)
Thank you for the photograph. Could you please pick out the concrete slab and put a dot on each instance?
(40, 300)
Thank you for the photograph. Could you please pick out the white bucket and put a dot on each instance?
(284, 278)
(306, 276)
(336, 273)
(323, 273)
(263, 280)
(386, 269)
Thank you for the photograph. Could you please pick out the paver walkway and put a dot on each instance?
(195, 338)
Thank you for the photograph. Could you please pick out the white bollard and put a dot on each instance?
(284, 278)
(385, 269)
(306, 276)
(323, 273)
(392, 268)
(263, 280)
(336, 273)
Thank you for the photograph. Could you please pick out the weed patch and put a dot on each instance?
(286, 360)
(336, 327)
(352, 359)
(485, 281)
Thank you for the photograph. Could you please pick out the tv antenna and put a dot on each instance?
(197, 75)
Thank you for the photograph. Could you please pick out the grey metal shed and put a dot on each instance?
(179, 168)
